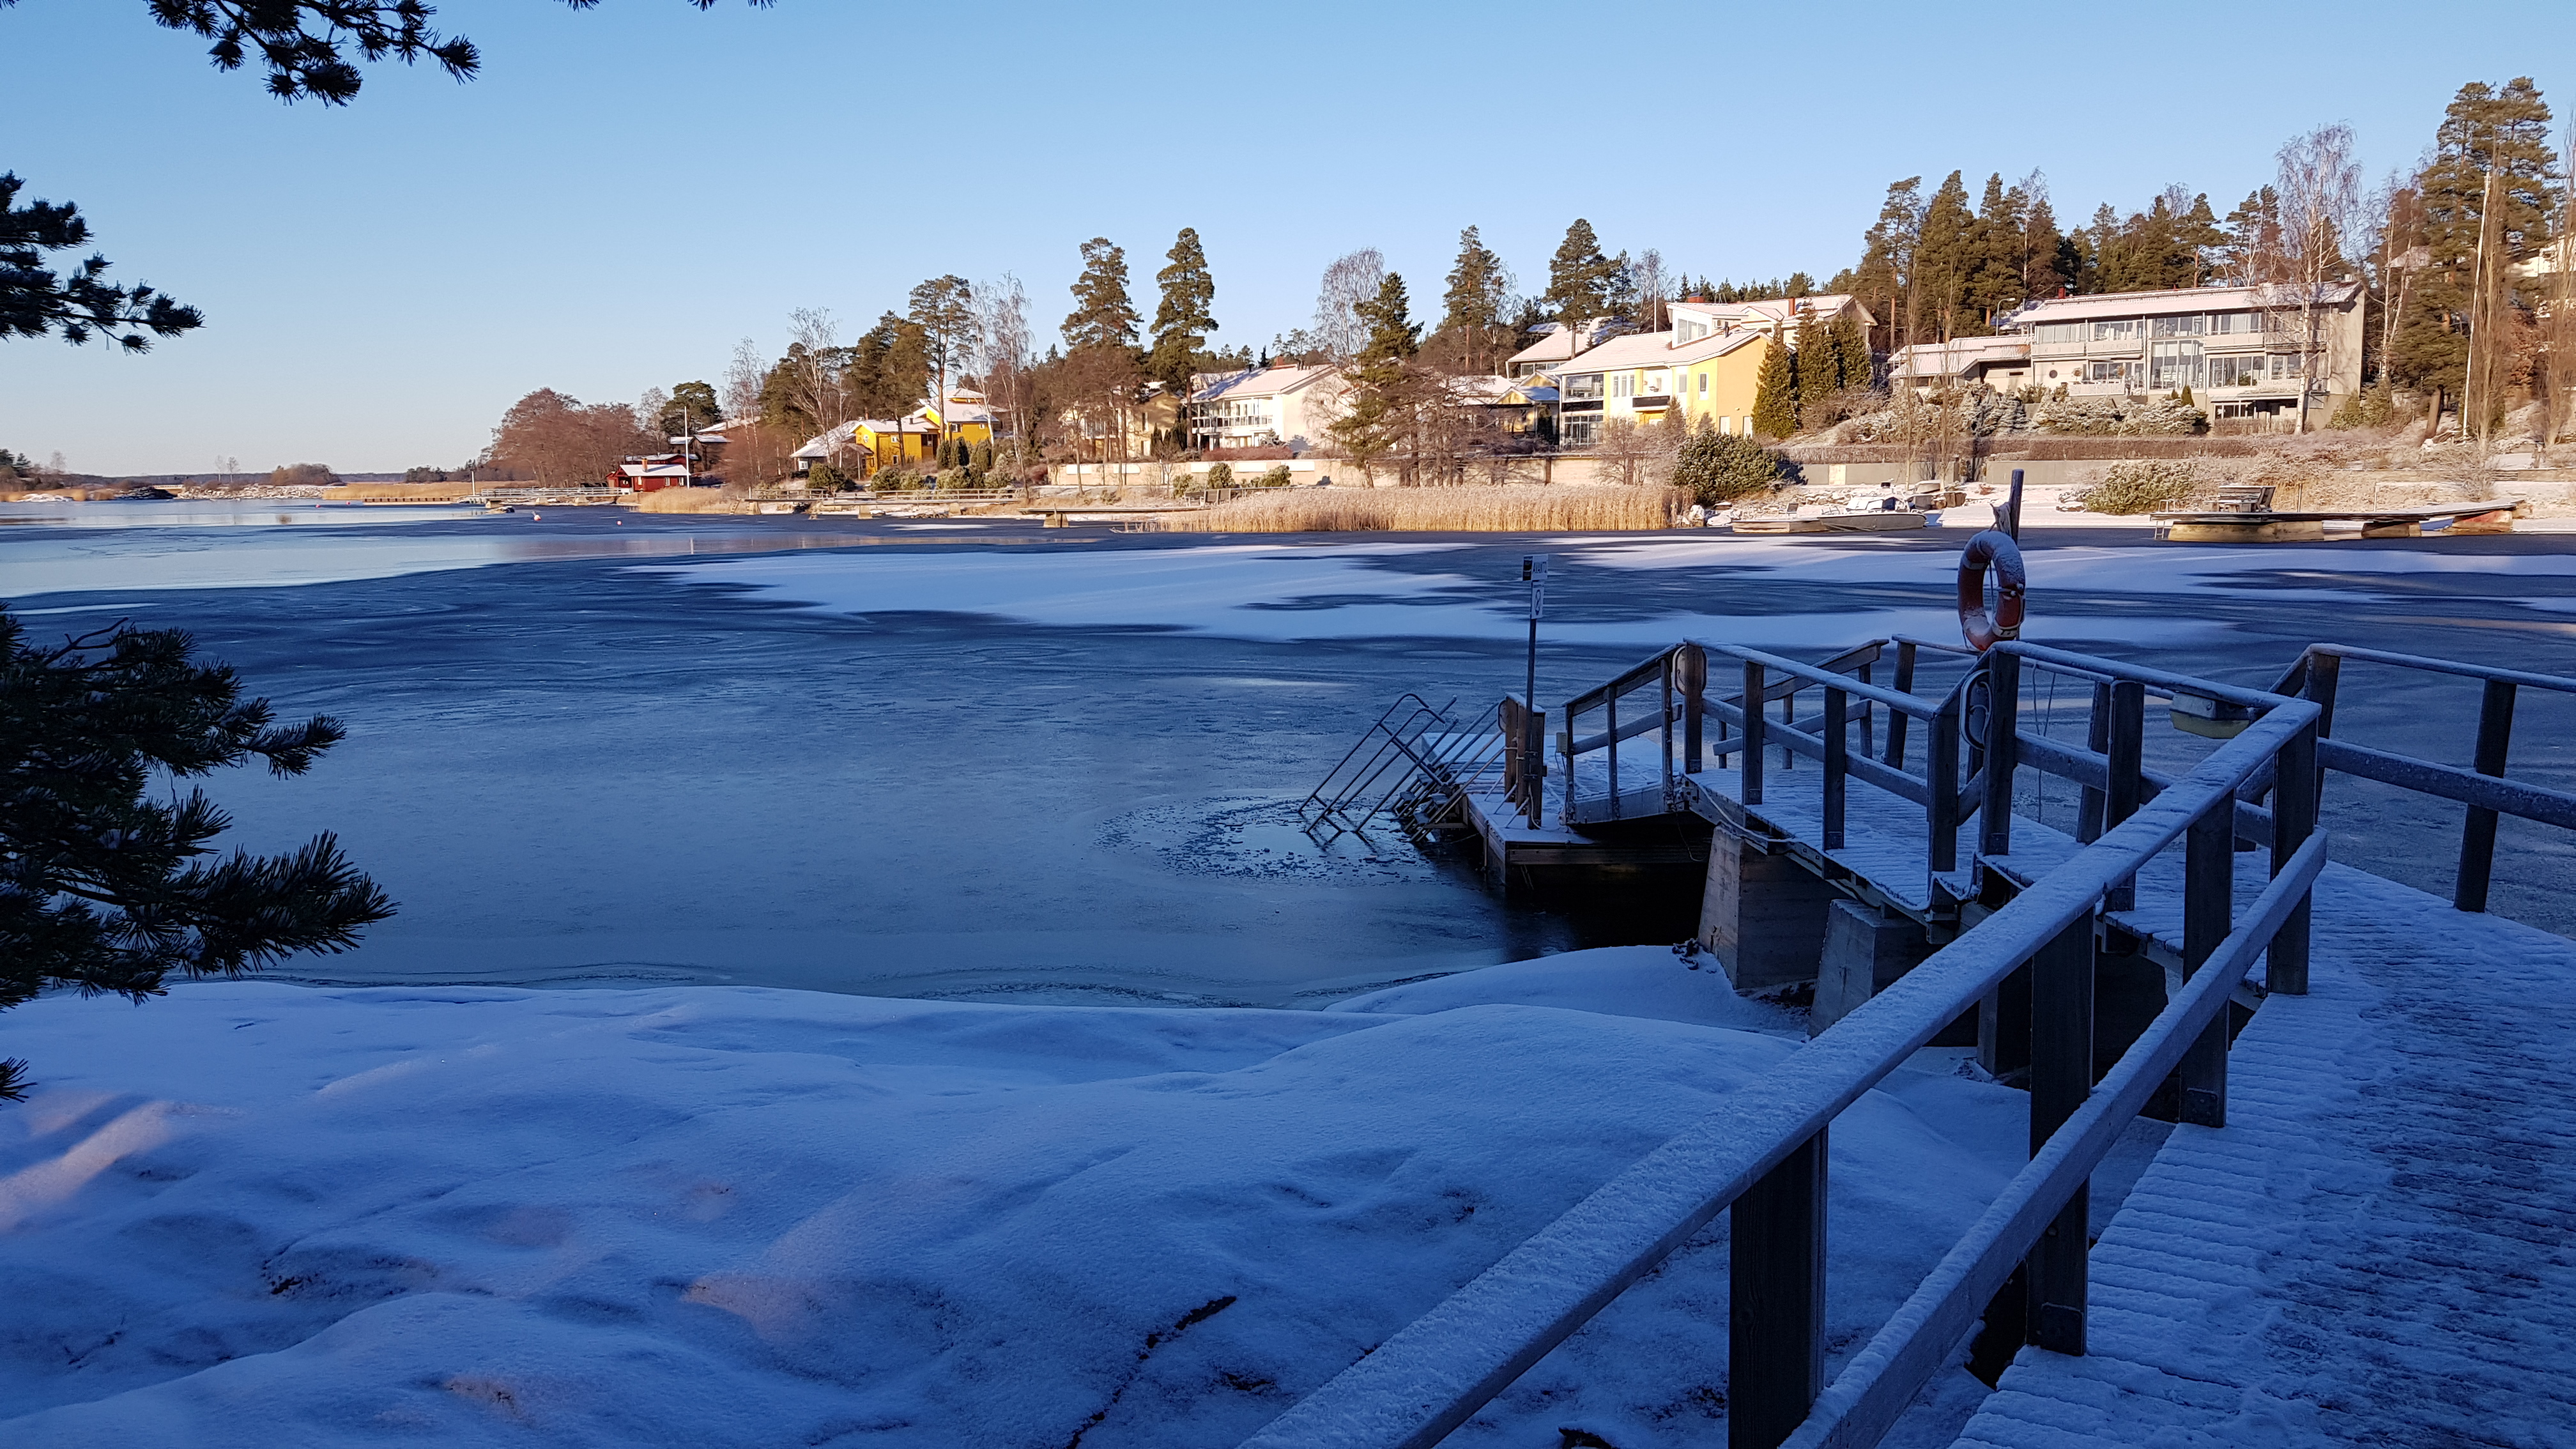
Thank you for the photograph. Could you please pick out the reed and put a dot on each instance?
(688, 500)
(1438, 510)
(401, 492)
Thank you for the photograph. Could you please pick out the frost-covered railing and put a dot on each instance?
(1762, 1159)
(1674, 682)
(2482, 787)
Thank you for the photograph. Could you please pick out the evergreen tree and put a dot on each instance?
(1185, 317)
(1818, 367)
(1579, 277)
(1998, 286)
(1945, 259)
(1102, 316)
(1857, 367)
(1377, 413)
(1472, 317)
(1884, 281)
(2201, 236)
(2484, 129)
(2048, 257)
(692, 405)
(943, 315)
(105, 888)
(1775, 399)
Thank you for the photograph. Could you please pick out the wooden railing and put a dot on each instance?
(1762, 1158)
(2482, 787)
(1677, 681)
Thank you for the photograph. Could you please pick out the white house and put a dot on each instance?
(2240, 350)
(1262, 407)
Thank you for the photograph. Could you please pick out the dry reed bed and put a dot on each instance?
(1437, 510)
(402, 492)
(687, 500)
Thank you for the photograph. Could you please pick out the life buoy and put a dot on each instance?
(2012, 586)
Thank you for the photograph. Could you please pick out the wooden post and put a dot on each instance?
(2126, 749)
(1752, 733)
(2478, 837)
(1664, 708)
(1694, 680)
(1941, 765)
(2003, 721)
(1610, 729)
(1836, 763)
(2061, 1077)
(2097, 738)
(1775, 1351)
(2208, 904)
(2294, 819)
(1897, 720)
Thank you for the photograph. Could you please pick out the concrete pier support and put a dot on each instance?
(1762, 916)
(1865, 952)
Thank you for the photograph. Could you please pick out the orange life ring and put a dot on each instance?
(2012, 587)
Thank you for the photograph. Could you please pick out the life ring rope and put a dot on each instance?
(1995, 550)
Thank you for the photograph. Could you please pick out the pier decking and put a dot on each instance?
(2359, 1231)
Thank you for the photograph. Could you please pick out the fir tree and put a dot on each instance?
(1818, 367)
(1102, 315)
(1775, 400)
(1377, 414)
(1185, 317)
(1857, 367)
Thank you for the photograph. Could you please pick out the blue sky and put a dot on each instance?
(628, 190)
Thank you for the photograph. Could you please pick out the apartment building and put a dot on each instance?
(2243, 352)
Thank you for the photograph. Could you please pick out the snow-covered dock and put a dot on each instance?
(2380, 1246)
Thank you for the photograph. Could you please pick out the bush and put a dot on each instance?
(823, 477)
(1275, 477)
(1220, 475)
(2371, 409)
(1717, 467)
(2145, 487)
(2107, 417)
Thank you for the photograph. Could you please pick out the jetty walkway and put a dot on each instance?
(2362, 1226)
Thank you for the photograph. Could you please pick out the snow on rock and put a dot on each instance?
(256, 1214)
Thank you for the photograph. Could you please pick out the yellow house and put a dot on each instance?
(1652, 377)
(965, 416)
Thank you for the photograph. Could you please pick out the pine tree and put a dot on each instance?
(1579, 277)
(1185, 317)
(1479, 286)
(110, 882)
(2504, 130)
(1775, 400)
(1102, 315)
(1884, 281)
(1945, 260)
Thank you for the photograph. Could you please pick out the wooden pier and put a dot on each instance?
(1869, 841)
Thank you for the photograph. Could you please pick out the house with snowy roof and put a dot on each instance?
(2247, 353)
(1661, 376)
(1282, 405)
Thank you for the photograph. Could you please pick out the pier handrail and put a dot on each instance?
(2482, 788)
(1763, 1157)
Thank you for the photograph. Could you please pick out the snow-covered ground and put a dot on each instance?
(261, 1215)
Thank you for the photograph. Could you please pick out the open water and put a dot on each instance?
(988, 760)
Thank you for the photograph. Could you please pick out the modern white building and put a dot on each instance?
(1262, 407)
(1779, 318)
(2242, 351)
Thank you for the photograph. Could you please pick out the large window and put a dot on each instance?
(2121, 330)
(2058, 332)
(1578, 432)
(2192, 326)
(1623, 384)
(2236, 323)
(2243, 369)
(1582, 386)
(2124, 373)
(2176, 364)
